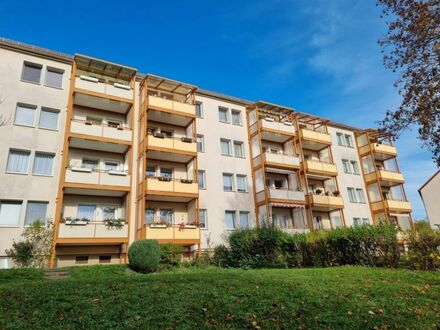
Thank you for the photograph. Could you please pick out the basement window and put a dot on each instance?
(105, 259)
(81, 260)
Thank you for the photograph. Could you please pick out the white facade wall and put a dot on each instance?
(29, 187)
(346, 180)
(431, 200)
(213, 198)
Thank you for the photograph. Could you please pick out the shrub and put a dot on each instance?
(221, 256)
(144, 256)
(21, 253)
(170, 255)
(205, 259)
(423, 249)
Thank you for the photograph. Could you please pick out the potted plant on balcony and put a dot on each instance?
(336, 193)
(186, 139)
(318, 191)
(114, 223)
(159, 224)
(76, 221)
(164, 178)
(159, 135)
(193, 224)
(186, 181)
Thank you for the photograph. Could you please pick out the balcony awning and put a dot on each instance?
(169, 85)
(278, 171)
(287, 205)
(105, 68)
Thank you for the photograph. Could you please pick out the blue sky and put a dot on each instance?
(318, 56)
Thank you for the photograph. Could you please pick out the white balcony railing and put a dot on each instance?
(282, 127)
(87, 128)
(285, 194)
(282, 159)
(92, 84)
(97, 177)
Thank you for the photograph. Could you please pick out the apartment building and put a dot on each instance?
(111, 155)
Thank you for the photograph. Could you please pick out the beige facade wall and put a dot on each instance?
(213, 198)
(431, 199)
(29, 187)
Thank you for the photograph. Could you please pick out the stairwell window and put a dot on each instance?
(230, 220)
(31, 72)
(223, 115)
(201, 179)
(54, 77)
(18, 161)
(25, 115)
(49, 118)
(199, 109)
(236, 117)
(227, 182)
(35, 211)
(203, 220)
(200, 143)
(241, 183)
(340, 138)
(225, 146)
(43, 164)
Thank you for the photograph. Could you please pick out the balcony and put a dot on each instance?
(173, 234)
(387, 178)
(315, 140)
(97, 177)
(398, 206)
(174, 145)
(113, 133)
(286, 195)
(381, 151)
(277, 127)
(172, 187)
(171, 106)
(320, 168)
(98, 87)
(281, 160)
(92, 230)
(325, 203)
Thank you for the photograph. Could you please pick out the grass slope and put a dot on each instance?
(113, 297)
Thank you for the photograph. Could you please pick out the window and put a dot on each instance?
(109, 212)
(203, 219)
(355, 166)
(10, 213)
(227, 182)
(201, 179)
(81, 260)
(365, 221)
(105, 259)
(25, 115)
(43, 164)
(225, 147)
(111, 166)
(200, 143)
(238, 149)
(54, 77)
(199, 109)
(166, 172)
(35, 211)
(244, 219)
(241, 183)
(89, 163)
(356, 221)
(49, 118)
(151, 171)
(346, 166)
(149, 216)
(223, 115)
(86, 211)
(336, 221)
(18, 161)
(348, 141)
(31, 72)
(166, 215)
(360, 195)
(236, 117)
(230, 219)
(352, 195)
(340, 138)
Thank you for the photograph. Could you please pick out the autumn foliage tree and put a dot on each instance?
(411, 48)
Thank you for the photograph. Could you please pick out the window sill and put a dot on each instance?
(43, 175)
(30, 82)
(10, 226)
(24, 125)
(20, 173)
(223, 122)
(49, 129)
(55, 87)
(227, 155)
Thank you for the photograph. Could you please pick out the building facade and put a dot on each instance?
(110, 156)
(431, 199)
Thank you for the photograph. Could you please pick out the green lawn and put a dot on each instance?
(114, 297)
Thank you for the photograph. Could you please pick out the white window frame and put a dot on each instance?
(355, 167)
(352, 198)
(205, 211)
(28, 161)
(241, 144)
(27, 206)
(35, 157)
(234, 219)
(360, 196)
(200, 106)
(232, 181)
(27, 106)
(203, 172)
(235, 111)
(88, 204)
(226, 111)
(340, 139)
(348, 140)
(346, 166)
(245, 182)
(248, 219)
(228, 141)
(46, 109)
(12, 201)
(202, 142)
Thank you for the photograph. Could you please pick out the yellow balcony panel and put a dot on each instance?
(162, 104)
(88, 83)
(320, 168)
(158, 233)
(173, 234)
(398, 206)
(387, 178)
(314, 136)
(95, 177)
(92, 230)
(326, 202)
(277, 127)
(287, 196)
(107, 132)
(281, 160)
(380, 151)
(155, 185)
(172, 144)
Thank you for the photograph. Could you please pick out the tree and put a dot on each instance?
(411, 48)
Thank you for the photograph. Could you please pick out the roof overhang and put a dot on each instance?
(105, 68)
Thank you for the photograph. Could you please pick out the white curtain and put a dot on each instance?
(166, 215)
(24, 115)
(10, 213)
(225, 147)
(227, 182)
(230, 220)
(18, 161)
(86, 211)
(241, 183)
(244, 219)
(35, 211)
(43, 164)
(48, 119)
